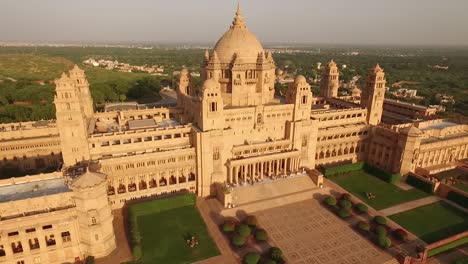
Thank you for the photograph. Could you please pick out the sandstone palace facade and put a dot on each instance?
(230, 131)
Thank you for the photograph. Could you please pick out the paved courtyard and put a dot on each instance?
(308, 233)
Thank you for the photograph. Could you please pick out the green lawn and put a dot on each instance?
(386, 194)
(433, 222)
(163, 227)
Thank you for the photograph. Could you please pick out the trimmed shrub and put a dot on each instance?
(384, 242)
(361, 208)
(243, 230)
(380, 230)
(238, 240)
(261, 235)
(251, 258)
(330, 200)
(346, 196)
(424, 186)
(344, 212)
(251, 220)
(269, 261)
(342, 168)
(364, 226)
(380, 220)
(345, 204)
(458, 198)
(275, 253)
(229, 226)
(400, 234)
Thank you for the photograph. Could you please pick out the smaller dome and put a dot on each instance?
(88, 180)
(210, 84)
(300, 79)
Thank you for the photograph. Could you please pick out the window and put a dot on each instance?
(93, 221)
(13, 233)
(216, 153)
(213, 107)
(304, 99)
(66, 236)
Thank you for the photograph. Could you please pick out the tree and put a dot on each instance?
(261, 235)
(384, 241)
(381, 230)
(380, 220)
(361, 208)
(364, 226)
(330, 200)
(251, 258)
(238, 240)
(251, 220)
(229, 226)
(345, 204)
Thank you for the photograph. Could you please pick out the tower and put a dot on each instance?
(184, 86)
(300, 95)
(94, 214)
(329, 82)
(73, 106)
(373, 95)
(211, 106)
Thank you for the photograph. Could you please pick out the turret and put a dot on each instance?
(373, 95)
(329, 83)
(211, 106)
(299, 94)
(94, 214)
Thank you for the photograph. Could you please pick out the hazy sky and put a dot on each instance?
(413, 22)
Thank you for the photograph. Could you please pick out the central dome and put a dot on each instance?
(239, 42)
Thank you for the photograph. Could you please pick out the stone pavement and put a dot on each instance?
(309, 233)
(409, 205)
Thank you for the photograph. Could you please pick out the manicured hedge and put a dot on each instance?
(384, 241)
(380, 230)
(275, 253)
(344, 212)
(381, 174)
(380, 220)
(261, 235)
(238, 240)
(458, 198)
(361, 208)
(243, 230)
(251, 258)
(330, 200)
(342, 168)
(346, 204)
(364, 226)
(447, 247)
(420, 184)
(229, 226)
(251, 220)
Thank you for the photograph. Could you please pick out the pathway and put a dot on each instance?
(210, 211)
(409, 205)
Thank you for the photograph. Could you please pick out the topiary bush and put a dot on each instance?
(261, 235)
(346, 196)
(380, 220)
(380, 230)
(344, 212)
(364, 226)
(361, 208)
(269, 261)
(330, 200)
(275, 253)
(238, 240)
(244, 230)
(229, 226)
(345, 204)
(384, 242)
(400, 234)
(251, 220)
(251, 258)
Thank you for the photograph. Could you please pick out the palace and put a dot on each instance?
(231, 131)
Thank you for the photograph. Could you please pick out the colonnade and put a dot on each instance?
(261, 169)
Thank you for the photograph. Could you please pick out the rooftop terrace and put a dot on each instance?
(32, 189)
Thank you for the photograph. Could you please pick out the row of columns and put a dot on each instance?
(440, 156)
(259, 170)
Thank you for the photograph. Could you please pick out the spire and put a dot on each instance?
(239, 19)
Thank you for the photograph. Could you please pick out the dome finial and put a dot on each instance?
(238, 20)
